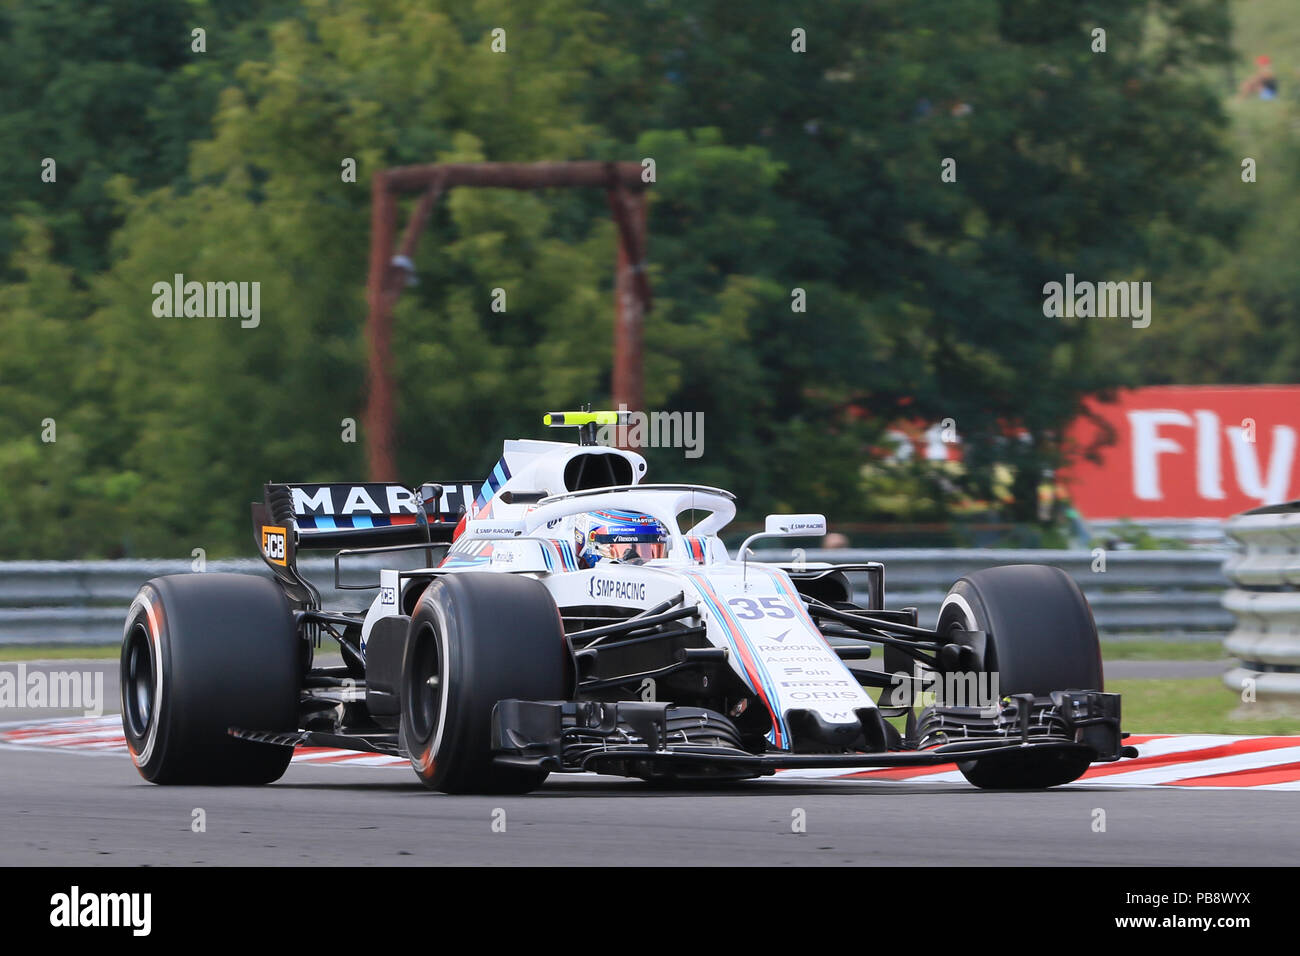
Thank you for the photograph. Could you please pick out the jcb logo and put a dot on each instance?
(273, 545)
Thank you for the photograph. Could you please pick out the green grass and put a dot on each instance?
(1162, 651)
(1200, 705)
(59, 652)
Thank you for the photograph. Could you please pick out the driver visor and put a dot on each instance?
(627, 547)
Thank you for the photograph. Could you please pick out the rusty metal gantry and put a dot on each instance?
(391, 266)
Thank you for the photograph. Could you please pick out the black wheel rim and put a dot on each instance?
(138, 690)
(426, 685)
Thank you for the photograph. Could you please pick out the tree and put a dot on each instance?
(1063, 157)
(816, 276)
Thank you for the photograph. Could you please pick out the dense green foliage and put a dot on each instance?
(776, 170)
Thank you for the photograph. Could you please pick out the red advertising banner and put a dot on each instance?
(1189, 452)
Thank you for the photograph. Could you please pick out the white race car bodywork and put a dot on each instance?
(530, 649)
(517, 525)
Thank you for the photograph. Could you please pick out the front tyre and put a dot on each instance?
(202, 653)
(475, 639)
(1041, 638)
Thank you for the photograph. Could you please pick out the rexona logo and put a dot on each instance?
(76, 909)
(274, 545)
(613, 589)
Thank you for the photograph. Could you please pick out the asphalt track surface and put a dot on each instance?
(79, 809)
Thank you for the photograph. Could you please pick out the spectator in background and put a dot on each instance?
(1262, 83)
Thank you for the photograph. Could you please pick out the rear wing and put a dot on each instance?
(336, 515)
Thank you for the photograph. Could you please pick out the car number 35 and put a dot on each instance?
(749, 609)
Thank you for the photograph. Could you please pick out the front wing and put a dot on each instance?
(635, 738)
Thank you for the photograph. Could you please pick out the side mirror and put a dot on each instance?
(795, 526)
(783, 526)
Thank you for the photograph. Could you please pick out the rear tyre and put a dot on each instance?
(1041, 638)
(475, 639)
(202, 653)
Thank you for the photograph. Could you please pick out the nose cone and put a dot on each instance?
(813, 733)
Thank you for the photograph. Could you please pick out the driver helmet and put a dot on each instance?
(624, 536)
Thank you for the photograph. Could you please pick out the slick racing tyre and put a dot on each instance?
(1041, 638)
(202, 653)
(477, 638)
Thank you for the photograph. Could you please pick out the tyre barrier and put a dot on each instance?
(1265, 598)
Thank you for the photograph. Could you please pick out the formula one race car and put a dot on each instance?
(573, 625)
